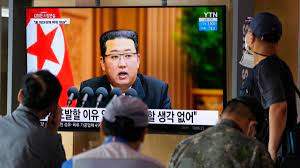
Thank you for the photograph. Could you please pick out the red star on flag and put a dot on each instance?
(42, 47)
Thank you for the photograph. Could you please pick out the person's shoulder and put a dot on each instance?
(261, 150)
(250, 144)
(92, 153)
(17, 126)
(5, 118)
(222, 133)
(153, 162)
(282, 64)
(259, 145)
(269, 68)
(271, 63)
(236, 140)
(151, 80)
(41, 136)
(195, 139)
(188, 147)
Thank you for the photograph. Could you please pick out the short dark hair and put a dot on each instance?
(124, 128)
(255, 110)
(41, 89)
(113, 34)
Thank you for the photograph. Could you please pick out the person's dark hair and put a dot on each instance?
(123, 127)
(113, 34)
(236, 106)
(41, 89)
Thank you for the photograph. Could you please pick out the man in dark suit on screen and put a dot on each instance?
(120, 62)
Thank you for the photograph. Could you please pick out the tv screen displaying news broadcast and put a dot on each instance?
(172, 58)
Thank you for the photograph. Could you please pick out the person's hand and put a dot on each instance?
(54, 119)
(273, 154)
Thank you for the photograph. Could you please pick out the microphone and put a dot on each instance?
(116, 92)
(72, 94)
(86, 92)
(131, 92)
(100, 93)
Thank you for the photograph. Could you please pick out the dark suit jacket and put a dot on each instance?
(152, 91)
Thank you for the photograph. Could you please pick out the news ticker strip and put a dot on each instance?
(155, 116)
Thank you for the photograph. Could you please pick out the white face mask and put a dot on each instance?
(247, 59)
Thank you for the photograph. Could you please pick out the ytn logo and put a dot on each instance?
(208, 23)
(211, 14)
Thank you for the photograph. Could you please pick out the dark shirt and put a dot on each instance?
(273, 82)
(25, 144)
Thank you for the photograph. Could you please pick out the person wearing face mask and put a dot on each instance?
(124, 126)
(230, 143)
(272, 82)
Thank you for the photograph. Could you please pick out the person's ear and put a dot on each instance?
(101, 133)
(138, 60)
(102, 63)
(48, 110)
(21, 96)
(251, 39)
(252, 129)
(144, 134)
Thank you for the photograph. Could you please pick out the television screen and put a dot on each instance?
(173, 58)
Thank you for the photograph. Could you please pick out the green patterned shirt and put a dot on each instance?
(222, 146)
